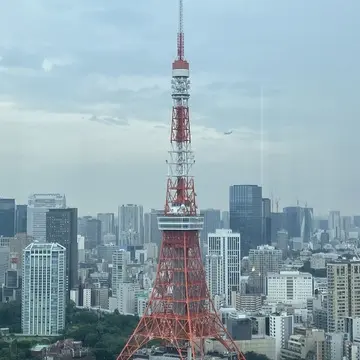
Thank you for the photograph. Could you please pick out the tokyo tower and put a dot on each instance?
(180, 312)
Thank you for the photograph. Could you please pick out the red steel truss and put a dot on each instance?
(180, 311)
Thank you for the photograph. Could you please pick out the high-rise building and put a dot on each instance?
(335, 225)
(21, 219)
(263, 259)
(281, 326)
(293, 219)
(119, 270)
(225, 220)
(152, 233)
(43, 289)
(38, 206)
(246, 215)
(266, 221)
(61, 228)
(107, 224)
(277, 224)
(7, 217)
(307, 225)
(343, 298)
(356, 221)
(92, 233)
(131, 225)
(212, 221)
(227, 245)
(4, 262)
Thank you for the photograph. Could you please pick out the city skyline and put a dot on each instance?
(112, 67)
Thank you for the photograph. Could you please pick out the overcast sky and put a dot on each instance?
(85, 100)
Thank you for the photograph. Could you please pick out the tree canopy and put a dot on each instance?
(106, 334)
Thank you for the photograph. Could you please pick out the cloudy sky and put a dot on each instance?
(85, 99)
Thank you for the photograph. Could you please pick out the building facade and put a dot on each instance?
(226, 245)
(343, 299)
(43, 289)
(7, 217)
(61, 228)
(246, 215)
(131, 225)
(289, 287)
(38, 206)
(263, 259)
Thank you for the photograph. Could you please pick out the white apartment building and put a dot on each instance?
(38, 206)
(343, 296)
(214, 267)
(127, 295)
(281, 326)
(87, 298)
(224, 263)
(43, 289)
(289, 287)
(119, 270)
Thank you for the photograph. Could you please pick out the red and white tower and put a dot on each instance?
(180, 312)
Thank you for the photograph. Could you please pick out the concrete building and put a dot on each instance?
(127, 298)
(131, 225)
(343, 298)
(61, 227)
(43, 289)
(226, 246)
(107, 224)
(334, 346)
(263, 259)
(4, 262)
(304, 344)
(289, 287)
(249, 303)
(152, 234)
(119, 270)
(38, 206)
(281, 327)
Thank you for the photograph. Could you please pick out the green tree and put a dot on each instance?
(254, 356)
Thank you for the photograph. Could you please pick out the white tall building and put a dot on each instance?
(226, 244)
(38, 206)
(119, 270)
(131, 224)
(43, 289)
(281, 326)
(127, 295)
(214, 267)
(289, 287)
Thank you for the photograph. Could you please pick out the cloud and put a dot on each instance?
(63, 63)
(48, 64)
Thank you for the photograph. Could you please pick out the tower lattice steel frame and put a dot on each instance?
(180, 311)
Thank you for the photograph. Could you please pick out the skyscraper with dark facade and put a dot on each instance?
(21, 219)
(7, 217)
(212, 221)
(293, 217)
(246, 209)
(266, 221)
(61, 228)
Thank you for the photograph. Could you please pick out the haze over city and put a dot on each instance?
(65, 64)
